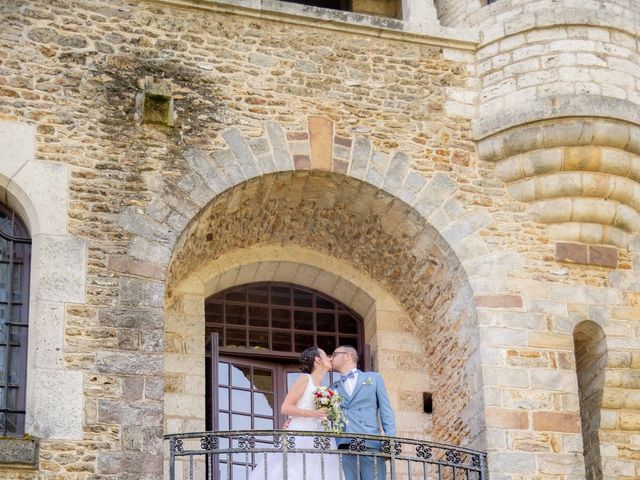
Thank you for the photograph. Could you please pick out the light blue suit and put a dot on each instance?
(361, 410)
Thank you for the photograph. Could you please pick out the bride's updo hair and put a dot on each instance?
(308, 358)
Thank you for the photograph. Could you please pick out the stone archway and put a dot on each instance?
(357, 228)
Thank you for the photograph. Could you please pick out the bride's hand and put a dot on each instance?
(320, 413)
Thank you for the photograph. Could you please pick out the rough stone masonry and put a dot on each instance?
(464, 177)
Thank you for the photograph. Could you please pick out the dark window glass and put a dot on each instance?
(236, 314)
(258, 294)
(303, 340)
(302, 298)
(277, 317)
(237, 295)
(343, 5)
(347, 324)
(280, 318)
(15, 261)
(259, 339)
(326, 343)
(325, 322)
(281, 341)
(281, 295)
(258, 317)
(303, 320)
(236, 337)
(213, 312)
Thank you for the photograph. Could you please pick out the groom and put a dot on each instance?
(364, 397)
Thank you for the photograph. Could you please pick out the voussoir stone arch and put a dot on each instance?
(362, 227)
(176, 200)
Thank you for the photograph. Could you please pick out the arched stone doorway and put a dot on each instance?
(358, 244)
(254, 334)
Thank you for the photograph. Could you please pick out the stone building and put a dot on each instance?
(453, 181)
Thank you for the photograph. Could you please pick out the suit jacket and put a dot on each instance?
(361, 408)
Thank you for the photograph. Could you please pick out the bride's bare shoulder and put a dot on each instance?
(302, 381)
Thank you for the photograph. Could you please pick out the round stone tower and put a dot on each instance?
(558, 113)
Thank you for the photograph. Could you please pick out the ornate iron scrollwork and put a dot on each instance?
(291, 442)
(357, 445)
(475, 461)
(453, 456)
(387, 446)
(209, 442)
(424, 451)
(321, 443)
(277, 441)
(246, 441)
(179, 446)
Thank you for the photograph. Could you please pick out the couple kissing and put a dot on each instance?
(364, 401)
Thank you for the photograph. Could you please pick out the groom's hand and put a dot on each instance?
(286, 424)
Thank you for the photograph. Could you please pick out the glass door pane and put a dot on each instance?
(246, 394)
(246, 401)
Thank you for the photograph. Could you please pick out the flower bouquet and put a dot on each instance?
(324, 397)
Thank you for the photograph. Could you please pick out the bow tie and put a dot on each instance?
(351, 374)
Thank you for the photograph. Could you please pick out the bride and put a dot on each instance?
(299, 405)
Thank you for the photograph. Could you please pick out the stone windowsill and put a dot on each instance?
(18, 452)
(428, 31)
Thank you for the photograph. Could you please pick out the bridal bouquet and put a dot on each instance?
(324, 397)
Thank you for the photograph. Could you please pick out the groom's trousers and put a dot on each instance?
(371, 468)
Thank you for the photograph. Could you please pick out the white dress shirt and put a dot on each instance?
(350, 383)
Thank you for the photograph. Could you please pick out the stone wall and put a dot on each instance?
(556, 61)
(508, 16)
(286, 126)
(74, 73)
(575, 175)
(453, 13)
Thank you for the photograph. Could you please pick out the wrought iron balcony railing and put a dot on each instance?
(292, 455)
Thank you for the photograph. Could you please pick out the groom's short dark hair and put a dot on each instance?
(351, 350)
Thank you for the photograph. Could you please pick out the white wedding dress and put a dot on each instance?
(309, 466)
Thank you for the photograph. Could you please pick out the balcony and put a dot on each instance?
(231, 455)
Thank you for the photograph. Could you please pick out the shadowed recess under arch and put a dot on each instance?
(375, 233)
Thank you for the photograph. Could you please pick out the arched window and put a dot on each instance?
(15, 265)
(280, 320)
(255, 334)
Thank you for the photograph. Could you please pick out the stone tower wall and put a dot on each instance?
(452, 13)
(513, 14)
(557, 113)
(553, 61)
